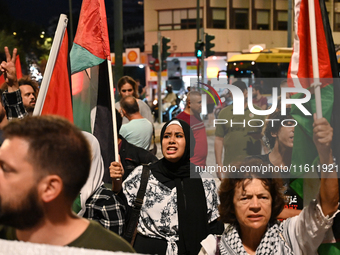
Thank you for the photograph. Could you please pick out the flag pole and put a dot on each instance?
(58, 38)
(113, 108)
(315, 62)
(311, 180)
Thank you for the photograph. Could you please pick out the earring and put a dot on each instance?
(266, 141)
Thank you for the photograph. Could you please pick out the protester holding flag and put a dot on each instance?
(180, 206)
(250, 205)
(93, 98)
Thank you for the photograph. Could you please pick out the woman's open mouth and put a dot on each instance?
(171, 150)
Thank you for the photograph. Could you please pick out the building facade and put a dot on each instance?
(237, 25)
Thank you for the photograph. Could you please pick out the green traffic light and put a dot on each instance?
(209, 45)
(199, 48)
(155, 51)
(165, 48)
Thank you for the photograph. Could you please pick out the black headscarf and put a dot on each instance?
(191, 201)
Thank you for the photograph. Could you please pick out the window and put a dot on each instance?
(261, 19)
(337, 22)
(239, 19)
(217, 19)
(281, 20)
(165, 20)
(178, 19)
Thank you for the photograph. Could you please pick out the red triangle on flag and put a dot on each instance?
(58, 98)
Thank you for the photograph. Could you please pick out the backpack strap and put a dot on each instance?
(130, 232)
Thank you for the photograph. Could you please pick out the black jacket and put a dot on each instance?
(132, 156)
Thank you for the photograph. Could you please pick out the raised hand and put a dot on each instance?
(116, 170)
(116, 173)
(322, 137)
(9, 70)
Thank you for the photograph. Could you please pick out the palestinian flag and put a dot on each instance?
(90, 81)
(91, 43)
(300, 74)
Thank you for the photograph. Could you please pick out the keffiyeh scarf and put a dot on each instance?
(272, 243)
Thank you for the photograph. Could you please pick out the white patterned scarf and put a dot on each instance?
(272, 243)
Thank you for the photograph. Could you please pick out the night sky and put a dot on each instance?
(43, 11)
(40, 11)
(45, 14)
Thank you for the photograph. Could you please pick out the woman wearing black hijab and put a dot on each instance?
(178, 206)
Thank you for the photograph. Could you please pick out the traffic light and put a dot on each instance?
(209, 45)
(164, 65)
(155, 51)
(152, 65)
(165, 48)
(199, 49)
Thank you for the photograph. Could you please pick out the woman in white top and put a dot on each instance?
(250, 203)
(127, 86)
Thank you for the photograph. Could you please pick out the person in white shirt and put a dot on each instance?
(138, 130)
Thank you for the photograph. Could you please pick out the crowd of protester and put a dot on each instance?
(53, 191)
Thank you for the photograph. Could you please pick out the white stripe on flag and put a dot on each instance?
(294, 63)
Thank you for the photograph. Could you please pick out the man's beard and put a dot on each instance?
(24, 215)
(29, 109)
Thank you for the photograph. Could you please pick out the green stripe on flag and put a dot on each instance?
(329, 248)
(85, 97)
(82, 111)
(85, 59)
(297, 186)
(304, 151)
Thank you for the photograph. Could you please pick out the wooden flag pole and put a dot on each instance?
(315, 62)
(311, 181)
(113, 108)
(58, 38)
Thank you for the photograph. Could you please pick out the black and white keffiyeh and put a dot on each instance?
(272, 243)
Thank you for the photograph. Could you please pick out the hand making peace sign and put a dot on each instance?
(9, 70)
